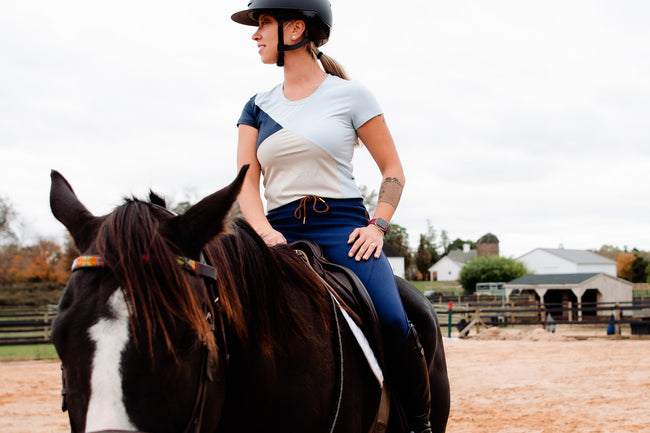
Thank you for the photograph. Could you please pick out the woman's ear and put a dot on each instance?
(297, 30)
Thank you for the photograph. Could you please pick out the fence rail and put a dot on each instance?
(26, 325)
(32, 325)
(517, 313)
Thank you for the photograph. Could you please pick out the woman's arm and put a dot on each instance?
(377, 138)
(249, 198)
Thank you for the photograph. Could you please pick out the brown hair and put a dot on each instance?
(330, 65)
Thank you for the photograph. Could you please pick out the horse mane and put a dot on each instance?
(156, 288)
(257, 283)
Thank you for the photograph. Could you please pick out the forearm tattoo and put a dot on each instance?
(390, 191)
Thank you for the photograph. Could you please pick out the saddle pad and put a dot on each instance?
(361, 339)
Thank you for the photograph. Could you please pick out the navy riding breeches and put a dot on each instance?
(329, 222)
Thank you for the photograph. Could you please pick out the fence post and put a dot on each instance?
(569, 306)
(580, 310)
(617, 317)
(451, 306)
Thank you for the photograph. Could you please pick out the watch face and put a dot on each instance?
(382, 224)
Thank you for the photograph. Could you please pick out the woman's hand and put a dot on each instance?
(365, 241)
(272, 237)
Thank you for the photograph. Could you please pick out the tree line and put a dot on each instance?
(47, 261)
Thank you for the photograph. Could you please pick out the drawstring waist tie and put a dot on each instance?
(301, 209)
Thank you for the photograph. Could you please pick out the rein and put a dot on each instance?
(209, 274)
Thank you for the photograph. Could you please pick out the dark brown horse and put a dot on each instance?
(168, 324)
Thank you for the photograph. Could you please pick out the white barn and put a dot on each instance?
(448, 268)
(397, 264)
(564, 261)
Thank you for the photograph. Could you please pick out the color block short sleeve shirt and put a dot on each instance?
(305, 147)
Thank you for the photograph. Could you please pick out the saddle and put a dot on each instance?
(349, 291)
(354, 298)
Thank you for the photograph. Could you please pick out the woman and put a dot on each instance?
(300, 136)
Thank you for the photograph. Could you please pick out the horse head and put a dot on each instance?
(134, 330)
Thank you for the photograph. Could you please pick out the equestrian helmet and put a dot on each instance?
(317, 15)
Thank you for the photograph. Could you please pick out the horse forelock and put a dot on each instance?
(157, 290)
(258, 288)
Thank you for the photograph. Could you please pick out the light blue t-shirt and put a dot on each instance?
(305, 147)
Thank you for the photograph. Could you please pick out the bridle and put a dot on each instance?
(209, 276)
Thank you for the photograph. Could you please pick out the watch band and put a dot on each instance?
(380, 223)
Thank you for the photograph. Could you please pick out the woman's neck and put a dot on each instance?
(302, 76)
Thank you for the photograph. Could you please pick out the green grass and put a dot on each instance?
(447, 288)
(30, 352)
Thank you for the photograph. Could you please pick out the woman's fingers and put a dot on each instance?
(366, 242)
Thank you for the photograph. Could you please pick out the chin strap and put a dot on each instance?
(282, 47)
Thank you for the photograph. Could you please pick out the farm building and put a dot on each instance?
(581, 289)
(564, 261)
(448, 268)
(396, 261)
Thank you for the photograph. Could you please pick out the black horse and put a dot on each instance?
(171, 324)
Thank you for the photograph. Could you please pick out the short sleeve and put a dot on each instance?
(249, 114)
(364, 105)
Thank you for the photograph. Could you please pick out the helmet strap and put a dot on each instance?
(282, 47)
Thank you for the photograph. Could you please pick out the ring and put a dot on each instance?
(373, 245)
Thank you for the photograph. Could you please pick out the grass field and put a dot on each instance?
(444, 287)
(27, 352)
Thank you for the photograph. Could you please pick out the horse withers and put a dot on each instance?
(171, 324)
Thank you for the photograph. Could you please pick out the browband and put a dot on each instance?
(187, 263)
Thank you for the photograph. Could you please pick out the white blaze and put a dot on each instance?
(106, 406)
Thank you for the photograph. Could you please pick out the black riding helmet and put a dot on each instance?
(317, 15)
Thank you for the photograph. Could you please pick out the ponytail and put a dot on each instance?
(330, 65)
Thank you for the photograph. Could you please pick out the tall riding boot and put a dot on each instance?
(411, 378)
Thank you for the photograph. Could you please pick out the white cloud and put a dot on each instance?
(527, 120)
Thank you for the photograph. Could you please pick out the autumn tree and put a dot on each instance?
(427, 253)
(8, 255)
(41, 262)
(7, 219)
(9, 247)
(624, 266)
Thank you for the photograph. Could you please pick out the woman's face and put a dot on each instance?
(266, 37)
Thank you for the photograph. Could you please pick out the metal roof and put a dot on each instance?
(578, 256)
(553, 278)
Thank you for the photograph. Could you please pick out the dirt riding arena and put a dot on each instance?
(510, 381)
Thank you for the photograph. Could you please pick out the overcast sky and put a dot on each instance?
(526, 119)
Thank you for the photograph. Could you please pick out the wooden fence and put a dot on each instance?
(26, 325)
(636, 314)
(32, 325)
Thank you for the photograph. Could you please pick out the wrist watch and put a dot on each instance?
(381, 223)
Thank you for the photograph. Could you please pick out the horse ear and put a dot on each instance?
(157, 200)
(205, 220)
(67, 208)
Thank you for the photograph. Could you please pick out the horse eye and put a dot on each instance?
(188, 342)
